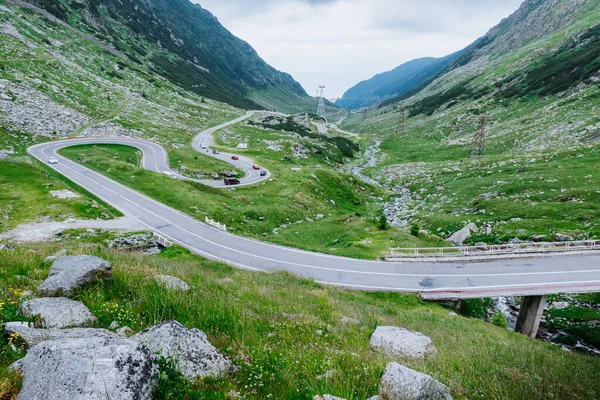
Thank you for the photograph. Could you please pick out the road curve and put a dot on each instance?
(566, 274)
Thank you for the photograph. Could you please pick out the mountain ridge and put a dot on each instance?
(183, 42)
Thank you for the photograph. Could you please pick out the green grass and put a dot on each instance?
(267, 323)
(25, 196)
(541, 178)
(296, 204)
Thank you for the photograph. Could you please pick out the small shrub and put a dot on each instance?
(476, 308)
(415, 229)
(383, 222)
(499, 320)
(171, 384)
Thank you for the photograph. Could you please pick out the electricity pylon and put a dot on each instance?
(321, 105)
(401, 120)
(478, 145)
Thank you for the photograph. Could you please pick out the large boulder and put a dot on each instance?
(459, 238)
(32, 336)
(401, 383)
(57, 312)
(395, 341)
(172, 283)
(189, 348)
(86, 368)
(70, 273)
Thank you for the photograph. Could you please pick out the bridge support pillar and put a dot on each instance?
(530, 315)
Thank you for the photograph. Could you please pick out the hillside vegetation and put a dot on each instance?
(539, 96)
(283, 332)
(186, 44)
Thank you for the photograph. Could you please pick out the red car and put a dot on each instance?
(256, 167)
(235, 158)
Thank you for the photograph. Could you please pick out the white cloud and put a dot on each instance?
(341, 42)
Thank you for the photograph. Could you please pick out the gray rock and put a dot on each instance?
(401, 383)
(376, 397)
(327, 397)
(3, 155)
(53, 257)
(58, 312)
(32, 336)
(172, 282)
(395, 341)
(328, 374)
(348, 320)
(70, 273)
(125, 331)
(458, 238)
(114, 326)
(194, 355)
(87, 368)
(561, 237)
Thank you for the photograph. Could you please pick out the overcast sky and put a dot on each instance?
(338, 43)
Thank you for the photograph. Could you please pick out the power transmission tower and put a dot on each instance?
(321, 106)
(478, 145)
(401, 120)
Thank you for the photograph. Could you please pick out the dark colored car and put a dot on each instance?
(235, 158)
(231, 181)
(263, 172)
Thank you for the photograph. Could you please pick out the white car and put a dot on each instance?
(170, 174)
(52, 160)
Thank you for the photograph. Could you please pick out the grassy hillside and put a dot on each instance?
(282, 342)
(541, 107)
(308, 204)
(182, 42)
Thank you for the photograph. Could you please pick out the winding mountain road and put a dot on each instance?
(553, 274)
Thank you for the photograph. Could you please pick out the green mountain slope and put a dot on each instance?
(536, 80)
(395, 82)
(184, 43)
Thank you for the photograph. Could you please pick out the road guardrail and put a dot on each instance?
(493, 250)
(216, 224)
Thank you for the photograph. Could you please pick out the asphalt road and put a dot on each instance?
(566, 274)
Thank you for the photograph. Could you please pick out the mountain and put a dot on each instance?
(533, 20)
(530, 89)
(186, 44)
(395, 82)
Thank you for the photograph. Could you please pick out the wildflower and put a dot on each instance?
(12, 338)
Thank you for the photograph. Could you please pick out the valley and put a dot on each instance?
(234, 217)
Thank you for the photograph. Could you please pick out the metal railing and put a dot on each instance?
(516, 248)
(216, 224)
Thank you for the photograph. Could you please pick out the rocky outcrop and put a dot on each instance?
(189, 348)
(33, 336)
(57, 312)
(395, 341)
(401, 383)
(87, 368)
(172, 283)
(327, 397)
(70, 273)
(458, 238)
(561, 237)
